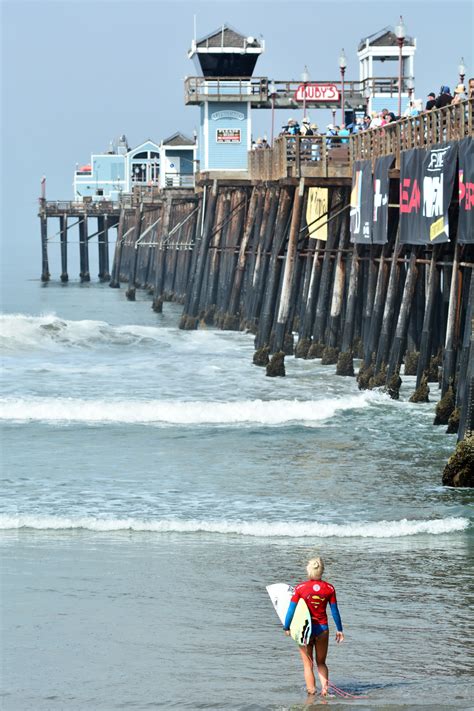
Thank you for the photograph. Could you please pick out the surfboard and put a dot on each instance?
(300, 628)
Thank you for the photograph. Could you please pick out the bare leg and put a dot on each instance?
(322, 642)
(306, 652)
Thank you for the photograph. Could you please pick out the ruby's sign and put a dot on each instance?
(317, 92)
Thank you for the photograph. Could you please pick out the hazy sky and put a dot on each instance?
(77, 74)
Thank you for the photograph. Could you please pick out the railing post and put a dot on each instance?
(297, 156)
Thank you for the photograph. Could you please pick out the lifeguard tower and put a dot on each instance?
(376, 54)
(224, 90)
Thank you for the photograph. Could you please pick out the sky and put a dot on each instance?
(77, 74)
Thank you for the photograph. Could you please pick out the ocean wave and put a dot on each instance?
(256, 529)
(22, 332)
(162, 412)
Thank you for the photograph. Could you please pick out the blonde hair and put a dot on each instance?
(315, 568)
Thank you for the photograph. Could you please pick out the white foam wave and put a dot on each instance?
(22, 332)
(245, 412)
(258, 529)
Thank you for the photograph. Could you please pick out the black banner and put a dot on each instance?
(381, 192)
(439, 172)
(411, 171)
(361, 202)
(466, 191)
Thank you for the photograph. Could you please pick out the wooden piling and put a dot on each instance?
(336, 306)
(319, 327)
(270, 289)
(189, 319)
(63, 238)
(103, 240)
(348, 331)
(289, 270)
(389, 307)
(84, 250)
(425, 344)
(45, 275)
(115, 278)
(452, 325)
(233, 311)
(132, 282)
(399, 341)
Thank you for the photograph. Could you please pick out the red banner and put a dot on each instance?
(317, 92)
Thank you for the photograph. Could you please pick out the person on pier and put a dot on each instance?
(317, 593)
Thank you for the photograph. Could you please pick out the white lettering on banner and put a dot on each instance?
(317, 92)
(433, 196)
(228, 114)
(379, 199)
(437, 159)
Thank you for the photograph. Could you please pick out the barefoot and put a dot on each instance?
(311, 692)
(324, 692)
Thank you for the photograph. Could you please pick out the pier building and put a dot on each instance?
(224, 91)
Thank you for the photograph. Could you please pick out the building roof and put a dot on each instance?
(227, 36)
(178, 139)
(385, 37)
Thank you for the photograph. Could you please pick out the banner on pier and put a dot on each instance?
(317, 213)
(411, 171)
(438, 173)
(426, 187)
(361, 202)
(381, 191)
(466, 191)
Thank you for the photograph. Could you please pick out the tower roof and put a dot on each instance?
(385, 37)
(226, 53)
(228, 37)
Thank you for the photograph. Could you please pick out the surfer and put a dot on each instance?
(316, 593)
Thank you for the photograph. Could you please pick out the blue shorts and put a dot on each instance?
(317, 629)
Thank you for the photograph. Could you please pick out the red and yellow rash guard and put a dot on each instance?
(316, 594)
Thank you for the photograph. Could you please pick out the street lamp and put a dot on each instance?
(342, 67)
(400, 33)
(272, 90)
(462, 71)
(305, 80)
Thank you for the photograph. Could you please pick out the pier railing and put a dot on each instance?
(451, 123)
(301, 156)
(333, 156)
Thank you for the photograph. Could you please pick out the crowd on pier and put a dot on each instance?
(338, 134)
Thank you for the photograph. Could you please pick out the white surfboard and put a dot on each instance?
(300, 628)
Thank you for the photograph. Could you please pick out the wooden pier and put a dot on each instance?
(239, 254)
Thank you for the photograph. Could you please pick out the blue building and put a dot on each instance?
(121, 169)
(224, 90)
(178, 161)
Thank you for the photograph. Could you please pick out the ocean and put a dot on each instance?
(154, 482)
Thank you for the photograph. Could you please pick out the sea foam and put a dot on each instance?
(22, 332)
(162, 412)
(257, 529)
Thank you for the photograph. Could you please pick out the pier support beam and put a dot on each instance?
(103, 239)
(399, 341)
(83, 250)
(44, 249)
(63, 233)
(115, 279)
(282, 322)
(426, 335)
(452, 326)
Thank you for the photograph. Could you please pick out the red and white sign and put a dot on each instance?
(228, 135)
(317, 92)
